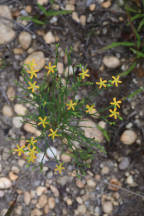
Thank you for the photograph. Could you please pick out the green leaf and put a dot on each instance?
(138, 38)
(105, 133)
(116, 44)
(137, 17)
(129, 9)
(140, 25)
(42, 8)
(35, 20)
(125, 73)
(138, 53)
(51, 1)
(141, 89)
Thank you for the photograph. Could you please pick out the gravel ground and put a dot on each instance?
(114, 185)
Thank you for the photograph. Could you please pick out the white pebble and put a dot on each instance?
(17, 121)
(49, 37)
(107, 207)
(5, 183)
(111, 62)
(7, 111)
(20, 109)
(51, 152)
(27, 197)
(25, 39)
(128, 137)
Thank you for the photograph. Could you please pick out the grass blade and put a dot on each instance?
(35, 20)
(116, 44)
(137, 17)
(125, 73)
(140, 24)
(42, 8)
(129, 9)
(138, 53)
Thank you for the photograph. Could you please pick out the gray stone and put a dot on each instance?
(124, 163)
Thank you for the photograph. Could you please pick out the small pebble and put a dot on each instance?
(54, 190)
(12, 176)
(75, 17)
(17, 121)
(79, 183)
(106, 4)
(128, 137)
(81, 210)
(49, 37)
(92, 7)
(91, 183)
(28, 9)
(111, 62)
(105, 170)
(5, 183)
(70, 7)
(27, 197)
(20, 109)
(36, 212)
(46, 209)
(25, 39)
(107, 207)
(40, 190)
(42, 2)
(39, 58)
(124, 163)
(65, 158)
(7, 111)
(130, 180)
(18, 210)
(51, 152)
(29, 128)
(83, 20)
(42, 201)
(60, 68)
(21, 162)
(51, 202)
(11, 93)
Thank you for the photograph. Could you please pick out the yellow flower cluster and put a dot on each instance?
(115, 103)
(32, 71)
(115, 81)
(114, 112)
(31, 149)
(29, 152)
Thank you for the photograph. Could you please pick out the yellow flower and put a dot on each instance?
(43, 121)
(50, 68)
(31, 69)
(32, 86)
(32, 154)
(33, 73)
(101, 83)
(59, 168)
(116, 103)
(116, 80)
(31, 64)
(71, 105)
(31, 141)
(20, 149)
(114, 113)
(90, 109)
(84, 74)
(53, 133)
